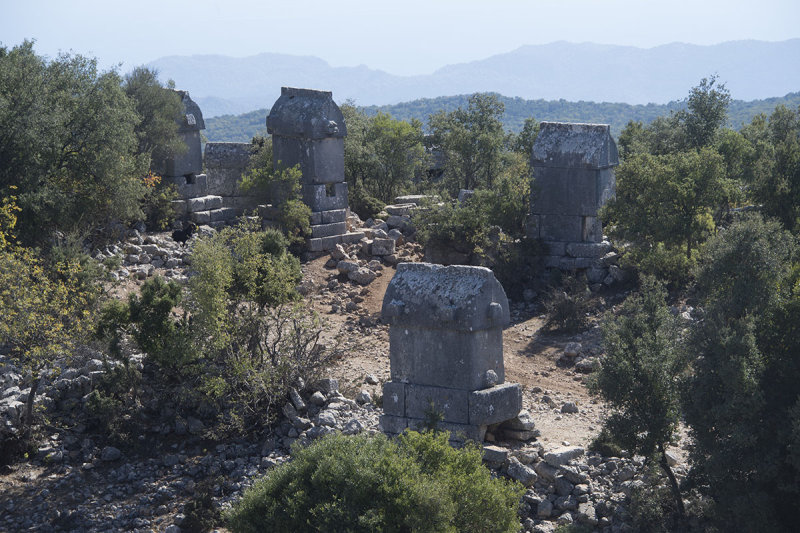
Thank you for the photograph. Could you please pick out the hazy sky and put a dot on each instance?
(401, 36)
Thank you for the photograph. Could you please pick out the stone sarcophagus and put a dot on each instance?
(189, 163)
(573, 170)
(446, 350)
(308, 130)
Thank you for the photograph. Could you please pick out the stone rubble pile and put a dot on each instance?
(91, 486)
(140, 257)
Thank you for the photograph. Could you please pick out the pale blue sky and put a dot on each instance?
(401, 36)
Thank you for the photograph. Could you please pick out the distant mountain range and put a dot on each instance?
(592, 72)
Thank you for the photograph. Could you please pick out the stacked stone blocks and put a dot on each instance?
(573, 169)
(446, 350)
(308, 130)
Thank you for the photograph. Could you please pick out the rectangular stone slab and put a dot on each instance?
(495, 404)
(437, 357)
(326, 230)
(394, 398)
(453, 404)
(316, 197)
(329, 217)
(393, 425)
(321, 160)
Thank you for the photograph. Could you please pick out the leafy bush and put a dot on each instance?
(516, 264)
(364, 205)
(605, 444)
(507, 203)
(462, 228)
(283, 188)
(664, 263)
(567, 306)
(369, 483)
(45, 308)
(157, 206)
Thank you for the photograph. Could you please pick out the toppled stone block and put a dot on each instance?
(496, 404)
(563, 455)
(382, 247)
(362, 276)
(495, 456)
(522, 473)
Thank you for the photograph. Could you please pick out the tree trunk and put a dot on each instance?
(28, 420)
(676, 491)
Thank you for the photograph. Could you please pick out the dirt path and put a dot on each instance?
(530, 357)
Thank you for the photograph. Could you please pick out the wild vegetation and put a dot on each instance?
(708, 212)
(241, 128)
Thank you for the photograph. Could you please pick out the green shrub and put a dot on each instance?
(605, 444)
(462, 228)
(369, 483)
(506, 204)
(516, 264)
(669, 265)
(148, 318)
(567, 306)
(157, 203)
(364, 205)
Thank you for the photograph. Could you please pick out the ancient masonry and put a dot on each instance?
(308, 129)
(573, 170)
(185, 171)
(446, 350)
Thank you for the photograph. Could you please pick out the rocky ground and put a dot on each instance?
(173, 475)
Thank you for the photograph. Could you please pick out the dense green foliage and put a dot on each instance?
(241, 128)
(742, 397)
(283, 189)
(77, 142)
(369, 483)
(46, 305)
(639, 377)
(672, 185)
(383, 156)
(235, 334)
(237, 128)
(471, 140)
(158, 107)
(67, 141)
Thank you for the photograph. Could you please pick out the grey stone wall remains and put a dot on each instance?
(446, 350)
(573, 170)
(225, 164)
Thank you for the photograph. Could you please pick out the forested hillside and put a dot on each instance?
(242, 128)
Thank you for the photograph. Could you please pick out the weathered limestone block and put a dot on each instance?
(446, 349)
(190, 123)
(394, 398)
(464, 356)
(452, 404)
(496, 404)
(320, 160)
(382, 247)
(190, 186)
(574, 177)
(325, 197)
(326, 230)
(225, 164)
(328, 217)
(461, 298)
(306, 114)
